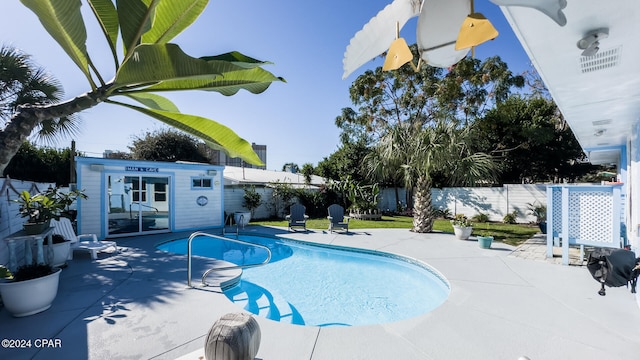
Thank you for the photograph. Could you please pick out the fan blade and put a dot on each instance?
(398, 55)
(475, 30)
(551, 8)
(378, 33)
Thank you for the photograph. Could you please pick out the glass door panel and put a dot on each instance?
(137, 204)
(155, 211)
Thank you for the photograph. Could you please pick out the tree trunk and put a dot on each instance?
(422, 210)
(28, 117)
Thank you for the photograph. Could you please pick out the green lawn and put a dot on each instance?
(513, 234)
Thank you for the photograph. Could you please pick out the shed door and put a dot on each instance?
(138, 204)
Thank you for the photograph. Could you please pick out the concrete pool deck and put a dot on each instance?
(135, 305)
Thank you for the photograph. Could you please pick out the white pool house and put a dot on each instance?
(129, 197)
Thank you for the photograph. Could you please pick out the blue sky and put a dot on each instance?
(305, 41)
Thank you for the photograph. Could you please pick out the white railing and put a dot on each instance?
(204, 276)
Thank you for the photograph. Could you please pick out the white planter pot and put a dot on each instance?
(242, 218)
(58, 254)
(24, 298)
(462, 233)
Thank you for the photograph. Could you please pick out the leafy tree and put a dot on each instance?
(281, 197)
(317, 201)
(388, 98)
(148, 64)
(473, 87)
(531, 141)
(119, 155)
(535, 85)
(167, 145)
(41, 164)
(307, 171)
(347, 161)
(406, 99)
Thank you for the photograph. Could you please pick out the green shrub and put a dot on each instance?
(510, 218)
(442, 213)
(480, 217)
(252, 199)
(539, 211)
(461, 220)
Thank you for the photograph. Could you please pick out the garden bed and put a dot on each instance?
(365, 216)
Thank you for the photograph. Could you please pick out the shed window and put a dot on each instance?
(201, 183)
(160, 192)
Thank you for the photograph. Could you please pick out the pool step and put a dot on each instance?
(258, 300)
(224, 278)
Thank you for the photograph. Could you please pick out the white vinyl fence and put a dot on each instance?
(495, 202)
(234, 197)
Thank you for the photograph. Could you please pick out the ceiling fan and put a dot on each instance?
(446, 31)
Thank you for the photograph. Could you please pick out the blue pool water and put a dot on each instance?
(324, 286)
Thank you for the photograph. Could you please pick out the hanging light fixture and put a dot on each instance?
(475, 30)
(399, 54)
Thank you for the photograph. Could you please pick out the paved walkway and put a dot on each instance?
(536, 249)
(135, 305)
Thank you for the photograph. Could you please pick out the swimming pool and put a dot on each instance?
(310, 284)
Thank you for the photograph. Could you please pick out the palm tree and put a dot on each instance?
(22, 82)
(423, 151)
(147, 64)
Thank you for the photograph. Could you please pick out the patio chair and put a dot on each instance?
(336, 217)
(297, 216)
(65, 228)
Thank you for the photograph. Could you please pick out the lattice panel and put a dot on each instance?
(557, 210)
(591, 216)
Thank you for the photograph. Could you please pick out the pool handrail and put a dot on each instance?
(230, 218)
(206, 273)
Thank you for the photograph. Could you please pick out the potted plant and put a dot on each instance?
(252, 200)
(485, 239)
(40, 208)
(30, 290)
(540, 212)
(462, 227)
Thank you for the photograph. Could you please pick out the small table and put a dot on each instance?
(28, 240)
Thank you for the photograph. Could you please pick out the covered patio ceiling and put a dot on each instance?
(599, 95)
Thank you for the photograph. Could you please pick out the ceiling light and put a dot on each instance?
(590, 43)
